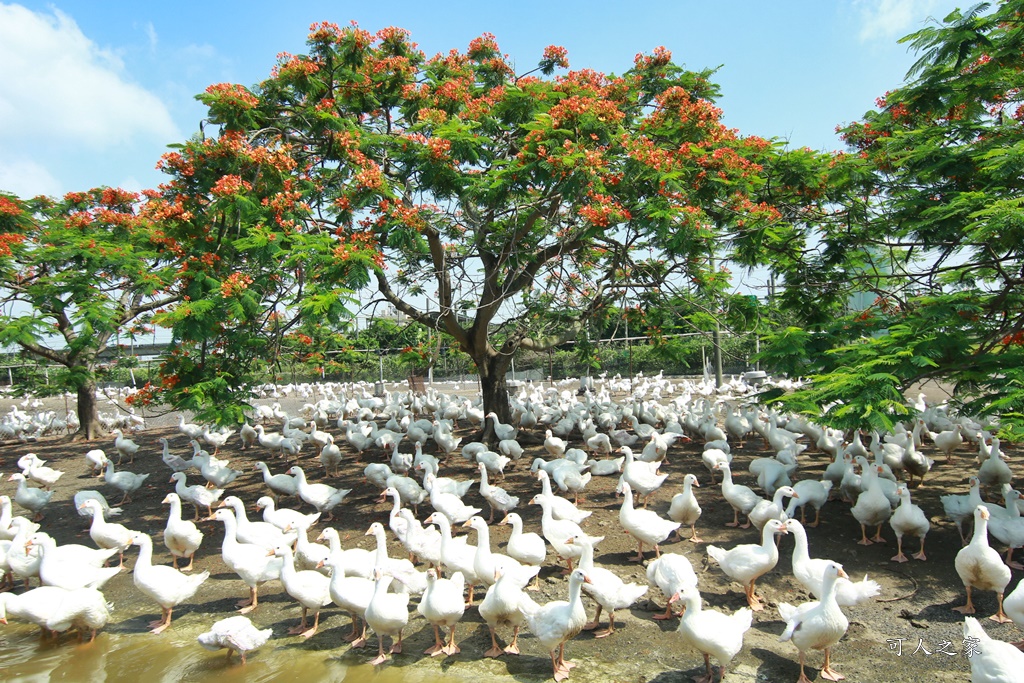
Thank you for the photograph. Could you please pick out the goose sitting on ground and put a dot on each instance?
(746, 563)
(712, 633)
(237, 634)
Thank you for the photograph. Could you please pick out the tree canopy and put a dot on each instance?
(74, 273)
(510, 211)
(926, 221)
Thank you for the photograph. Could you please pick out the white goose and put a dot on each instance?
(321, 496)
(817, 625)
(165, 585)
(528, 548)
(642, 476)
(126, 482)
(746, 563)
(558, 621)
(485, 562)
(741, 498)
(250, 562)
(351, 593)
(387, 614)
(672, 574)
(262, 534)
(198, 495)
(84, 609)
(32, 499)
(496, 497)
(606, 588)
(557, 531)
(809, 572)
(236, 634)
(685, 509)
(455, 557)
(505, 604)
(280, 484)
(72, 566)
(561, 508)
(908, 520)
(980, 566)
(992, 661)
(442, 605)
(108, 535)
(310, 589)
(712, 633)
(646, 526)
(181, 536)
(283, 518)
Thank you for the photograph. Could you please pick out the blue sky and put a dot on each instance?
(92, 92)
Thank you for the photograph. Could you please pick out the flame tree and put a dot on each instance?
(74, 273)
(928, 223)
(507, 210)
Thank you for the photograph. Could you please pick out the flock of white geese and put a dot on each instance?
(409, 439)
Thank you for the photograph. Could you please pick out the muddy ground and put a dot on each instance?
(913, 613)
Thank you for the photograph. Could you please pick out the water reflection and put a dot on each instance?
(132, 657)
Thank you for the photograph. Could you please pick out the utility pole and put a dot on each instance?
(716, 340)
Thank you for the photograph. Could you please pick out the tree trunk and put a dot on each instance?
(88, 416)
(495, 392)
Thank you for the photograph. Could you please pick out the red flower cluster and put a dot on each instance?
(233, 94)
(9, 208)
(229, 185)
(7, 239)
(556, 55)
(234, 284)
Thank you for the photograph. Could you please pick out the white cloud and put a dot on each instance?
(26, 178)
(887, 20)
(68, 105)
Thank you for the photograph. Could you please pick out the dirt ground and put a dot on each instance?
(887, 640)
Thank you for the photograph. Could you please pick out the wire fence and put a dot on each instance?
(683, 354)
